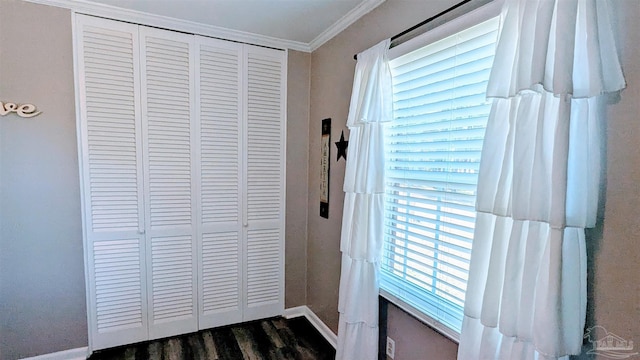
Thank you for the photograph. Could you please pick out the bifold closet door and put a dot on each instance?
(111, 166)
(241, 110)
(183, 166)
(170, 181)
(265, 89)
(219, 85)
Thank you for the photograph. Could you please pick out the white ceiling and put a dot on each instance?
(303, 21)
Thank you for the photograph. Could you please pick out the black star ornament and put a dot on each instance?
(342, 147)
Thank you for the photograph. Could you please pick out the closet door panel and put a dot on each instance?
(265, 170)
(111, 170)
(264, 273)
(220, 286)
(219, 69)
(167, 66)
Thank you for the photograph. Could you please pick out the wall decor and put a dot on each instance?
(342, 147)
(324, 167)
(24, 110)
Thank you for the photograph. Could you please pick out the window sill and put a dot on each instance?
(422, 317)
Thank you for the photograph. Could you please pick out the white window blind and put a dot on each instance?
(433, 148)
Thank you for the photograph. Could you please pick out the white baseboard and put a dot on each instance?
(314, 320)
(295, 312)
(72, 354)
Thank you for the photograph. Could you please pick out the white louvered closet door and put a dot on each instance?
(111, 166)
(183, 166)
(168, 118)
(265, 170)
(219, 69)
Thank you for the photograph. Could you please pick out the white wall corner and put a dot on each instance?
(349, 18)
(72, 354)
(324, 330)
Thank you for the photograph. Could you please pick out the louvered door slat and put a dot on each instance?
(264, 128)
(172, 277)
(168, 120)
(264, 268)
(112, 181)
(220, 273)
(168, 127)
(104, 173)
(219, 68)
(219, 133)
(117, 282)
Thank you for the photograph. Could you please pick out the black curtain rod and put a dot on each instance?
(421, 24)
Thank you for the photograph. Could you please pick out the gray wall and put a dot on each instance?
(42, 286)
(614, 290)
(297, 178)
(42, 297)
(415, 341)
(615, 264)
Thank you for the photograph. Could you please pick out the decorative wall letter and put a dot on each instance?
(24, 110)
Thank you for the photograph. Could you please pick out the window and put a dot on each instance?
(433, 148)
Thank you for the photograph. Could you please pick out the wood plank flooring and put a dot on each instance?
(269, 339)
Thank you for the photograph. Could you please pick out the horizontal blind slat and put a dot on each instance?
(463, 210)
(421, 236)
(435, 218)
(401, 243)
(432, 151)
(425, 277)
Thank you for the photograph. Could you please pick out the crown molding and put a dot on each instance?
(138, 17)
(349, 18)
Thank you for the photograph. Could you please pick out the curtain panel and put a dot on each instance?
(539, 180)
(363, 215)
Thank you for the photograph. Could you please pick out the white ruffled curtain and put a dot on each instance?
(363, 217)
(539, 180)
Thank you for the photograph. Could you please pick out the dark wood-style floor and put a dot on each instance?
(270, 339)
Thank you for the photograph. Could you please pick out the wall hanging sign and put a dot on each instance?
(324, 167)
(24, 110)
